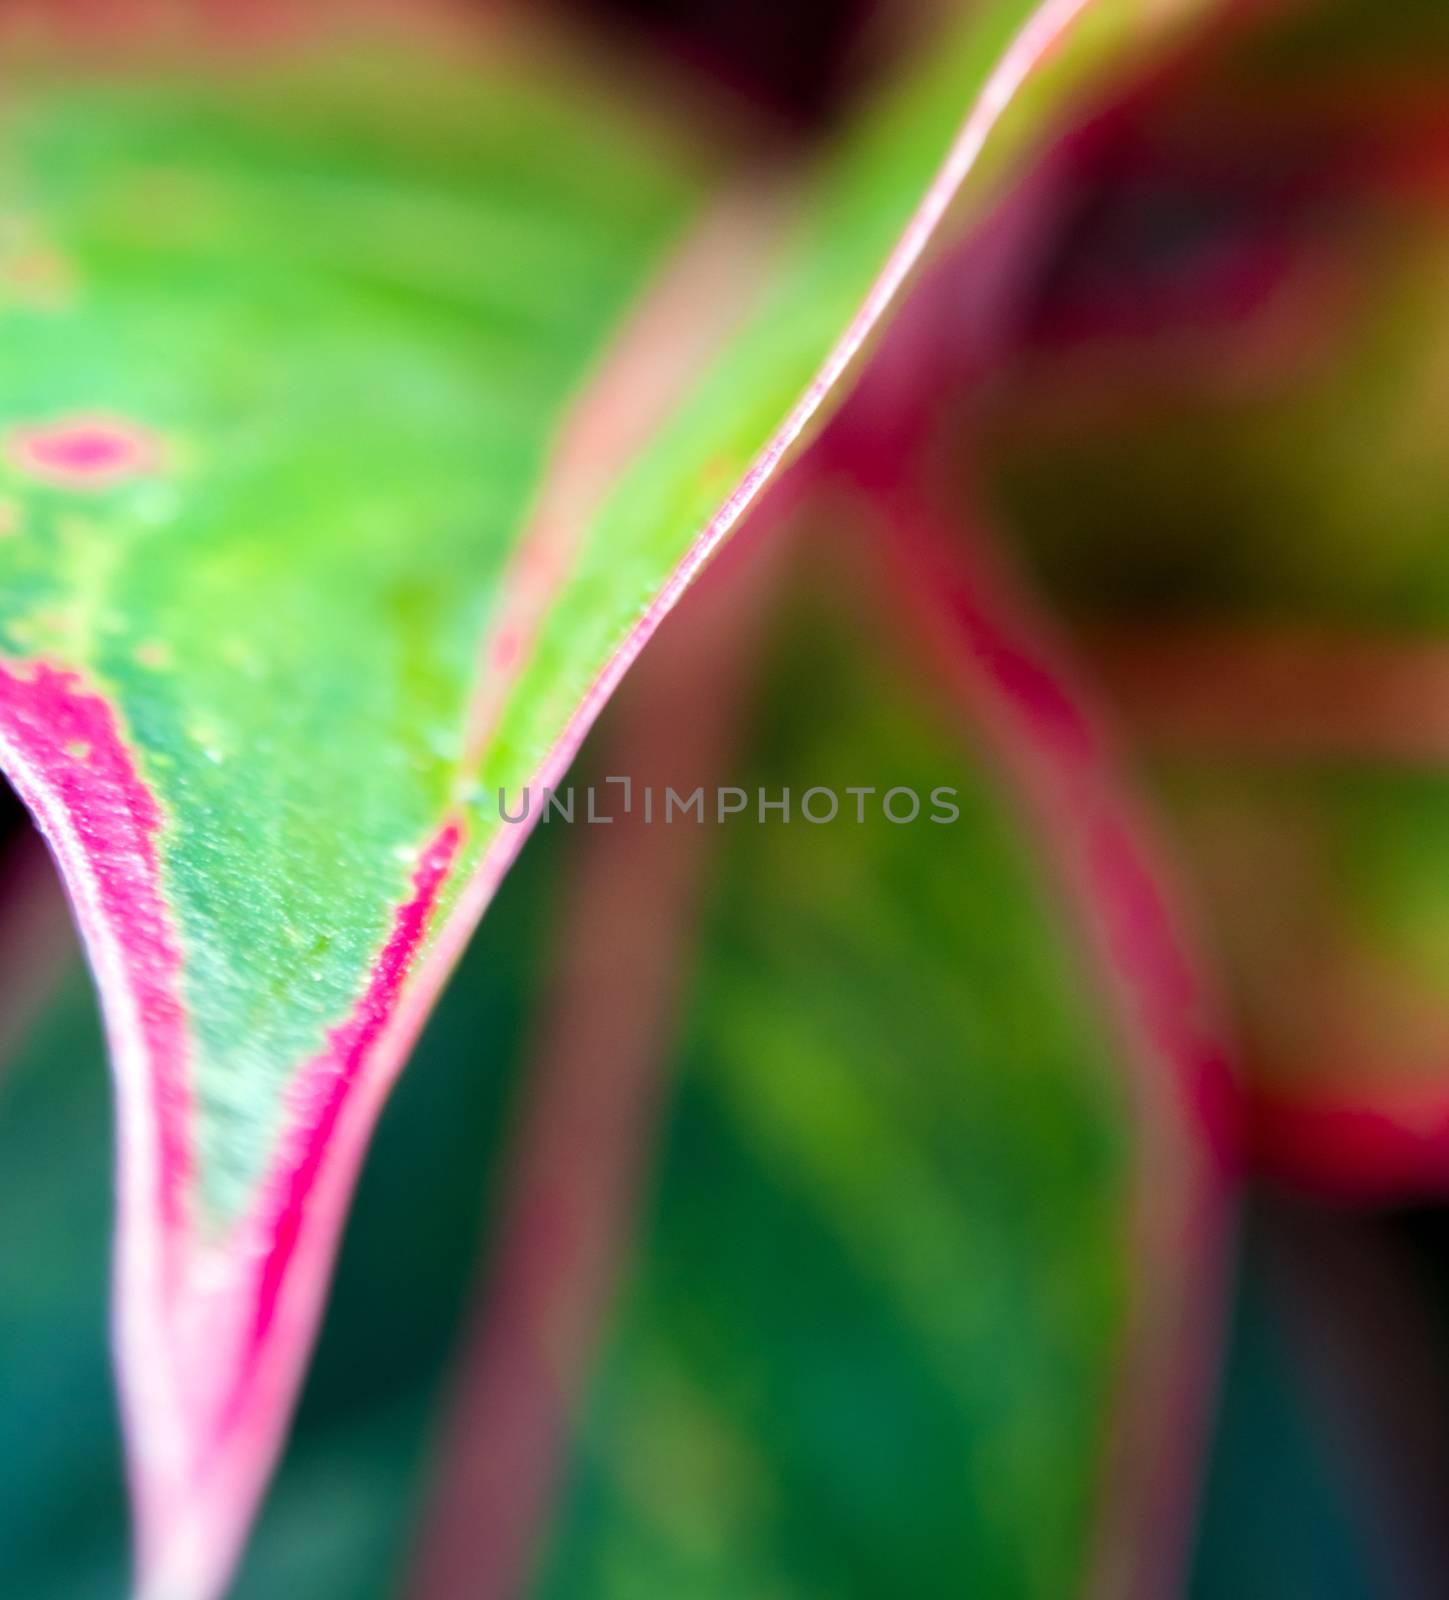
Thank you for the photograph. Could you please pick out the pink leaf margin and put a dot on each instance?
(594, 1090)
(997, 659)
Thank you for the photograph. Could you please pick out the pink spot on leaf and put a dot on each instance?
(38, 278)
(93, 452)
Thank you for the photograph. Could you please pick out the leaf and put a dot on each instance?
(364, 412)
